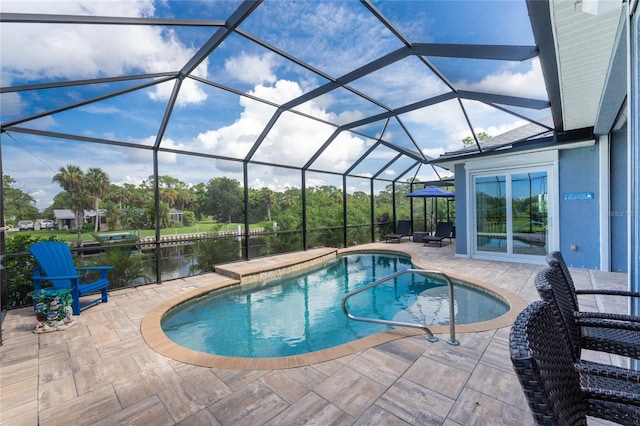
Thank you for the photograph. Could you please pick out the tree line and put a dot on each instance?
(221, 199)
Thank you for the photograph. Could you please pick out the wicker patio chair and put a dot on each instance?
(555, 258)
(604, 335)
(559, 391)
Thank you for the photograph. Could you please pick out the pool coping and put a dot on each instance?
(154, 336)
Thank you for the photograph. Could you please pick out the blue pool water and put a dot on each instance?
(302, 313)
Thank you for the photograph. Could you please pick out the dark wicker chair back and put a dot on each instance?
(543, 362)
(552, 288)
(599, 331)
(555, 259)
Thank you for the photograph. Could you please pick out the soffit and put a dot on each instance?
(584, 46)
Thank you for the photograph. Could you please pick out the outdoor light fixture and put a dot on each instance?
(598, 7)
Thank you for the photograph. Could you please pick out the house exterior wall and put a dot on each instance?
(578, 218)
(618, 211)
(634, 141)
(578, 174)
(461, 207)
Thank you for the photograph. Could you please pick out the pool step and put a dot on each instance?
(267, 268)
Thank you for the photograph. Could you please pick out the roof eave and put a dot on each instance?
(559, 140)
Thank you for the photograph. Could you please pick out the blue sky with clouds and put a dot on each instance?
(334, 37)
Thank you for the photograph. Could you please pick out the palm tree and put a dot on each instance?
(185, 196)
(168, 196)
(71, 180)
(117, 194)
(132, 195)
(268, 199)
(97, 184)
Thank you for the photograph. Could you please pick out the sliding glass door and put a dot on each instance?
(529, 213)
(511, 212)
(491, 213)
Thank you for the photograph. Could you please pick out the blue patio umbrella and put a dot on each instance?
(432, 192)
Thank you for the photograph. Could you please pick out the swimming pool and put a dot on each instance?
(302, 313)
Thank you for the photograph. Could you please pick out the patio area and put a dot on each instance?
(102, 371)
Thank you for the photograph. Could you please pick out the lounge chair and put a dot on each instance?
(55, 261)
(443, 230)
(402, 230)
(560, 391)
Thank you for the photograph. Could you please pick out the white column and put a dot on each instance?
(605, 204)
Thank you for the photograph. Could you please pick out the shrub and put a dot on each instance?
(19, 269)
(213, 251)
(189, 218)
(129, 267)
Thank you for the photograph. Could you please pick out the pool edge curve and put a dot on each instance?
(156, 339)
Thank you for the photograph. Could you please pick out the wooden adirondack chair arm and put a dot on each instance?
(103, 270)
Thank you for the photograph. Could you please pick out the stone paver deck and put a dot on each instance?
(102, 371)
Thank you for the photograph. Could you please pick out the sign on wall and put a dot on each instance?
(569, 196)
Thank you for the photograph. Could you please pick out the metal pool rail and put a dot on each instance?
(430, 337)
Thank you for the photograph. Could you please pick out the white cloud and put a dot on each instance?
(529, 84)
(447, 119)
(11, 104)
(132, 180)
(130, 8)
(252, 69)
(324, 33)
(342, 152)
(53, 51)
(349, 117)
(281, 92)
(314, 182)
(143, 156)
(168, 157)
(435, 152)
(401, 83)
(293, 140)
(503, 128)
(64, 52)
(258, 183)
(38, 196)
(490, 130)
(274, 184)
(43, 123)
(97, 108)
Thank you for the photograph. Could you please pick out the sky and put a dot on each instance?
(333, 38)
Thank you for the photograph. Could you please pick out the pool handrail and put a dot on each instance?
(430, 337)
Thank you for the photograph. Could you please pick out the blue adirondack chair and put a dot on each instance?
(55, 265)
